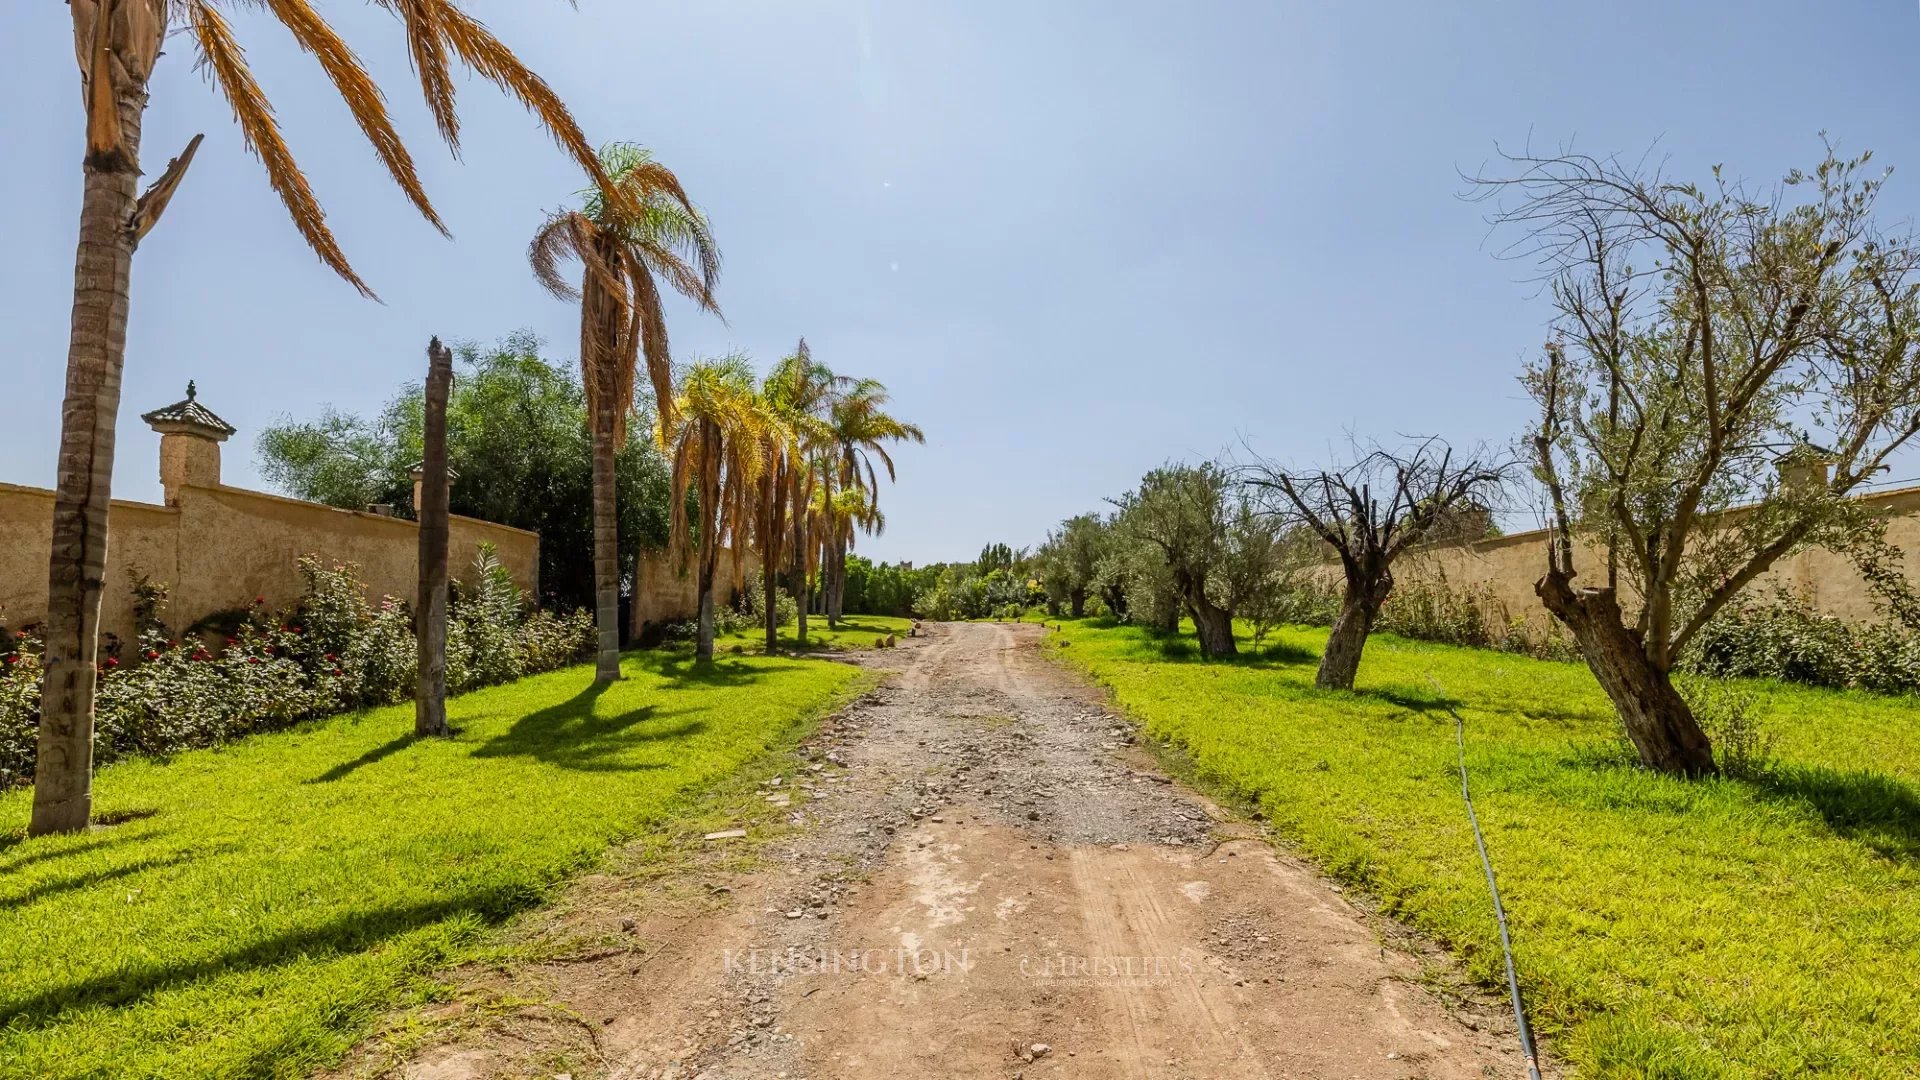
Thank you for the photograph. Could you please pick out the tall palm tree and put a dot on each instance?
(714, 437)
(796, 396)
(117, 44)
(651, 232)
(862, 428)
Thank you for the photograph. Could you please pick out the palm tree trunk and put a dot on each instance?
(96, 352)
(703, 646)
(837, 582)
(430, 611)
(801, 596)
(710, 514)
(606, 545)
(770, 584)
(771, 490)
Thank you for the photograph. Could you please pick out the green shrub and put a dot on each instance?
(1735, 717)
(1780, 636)
(335, 651)
(485, 617)
(754, 597)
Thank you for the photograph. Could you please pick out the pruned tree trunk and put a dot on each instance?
(76, 568)
(1657, 719)
(430, 612)
(1340, 663)
(1360, 606)
(1214, 626)
(1077, 599)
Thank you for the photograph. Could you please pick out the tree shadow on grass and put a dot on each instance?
(575, 735)
(348, 933)
(384, 750)
(1876, 810)
(1412, 696)
(48, 890)
(683, 671)
(47, 854)
(1176, 649)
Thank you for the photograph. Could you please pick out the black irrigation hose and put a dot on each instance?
(1499, 912)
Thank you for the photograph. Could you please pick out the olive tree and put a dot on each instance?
(1070, 561)
(1706, 335)
(1368, 513)
(1215, 548)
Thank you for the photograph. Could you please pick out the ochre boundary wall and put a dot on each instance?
(662, 594)
(217, 548)
(1507, 567)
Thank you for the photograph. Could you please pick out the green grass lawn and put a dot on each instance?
(854, 632)
(260, 904)
(1727, 928)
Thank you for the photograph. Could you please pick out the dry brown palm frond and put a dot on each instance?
(485, 54)
(684, 460)
(427, 48)
(225, 61)
(645, 178)
(553, 245)
(361, 94)
(103, 112)
(652, 344)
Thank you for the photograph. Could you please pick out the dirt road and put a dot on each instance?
(991, 882)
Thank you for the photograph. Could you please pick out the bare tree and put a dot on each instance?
(430, 613)
(1368, 513)
(1703, 334)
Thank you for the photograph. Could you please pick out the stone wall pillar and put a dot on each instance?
(190, 438)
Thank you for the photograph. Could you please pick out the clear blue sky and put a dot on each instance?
(1076, 238)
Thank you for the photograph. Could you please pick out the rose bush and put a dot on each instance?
(335, 651)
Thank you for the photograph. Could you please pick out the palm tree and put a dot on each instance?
(851, 511)
(714, 435)
(650, 232)
(795, 396)
(861, 429)
(118, 42)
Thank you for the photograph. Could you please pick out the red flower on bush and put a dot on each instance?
(253, 659)
(113, 661)
(331, 658)
(259, 600)
(153, 654)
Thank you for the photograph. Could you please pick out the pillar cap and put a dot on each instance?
(188, 417)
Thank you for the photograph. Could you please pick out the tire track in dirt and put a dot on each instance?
(992, 882)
